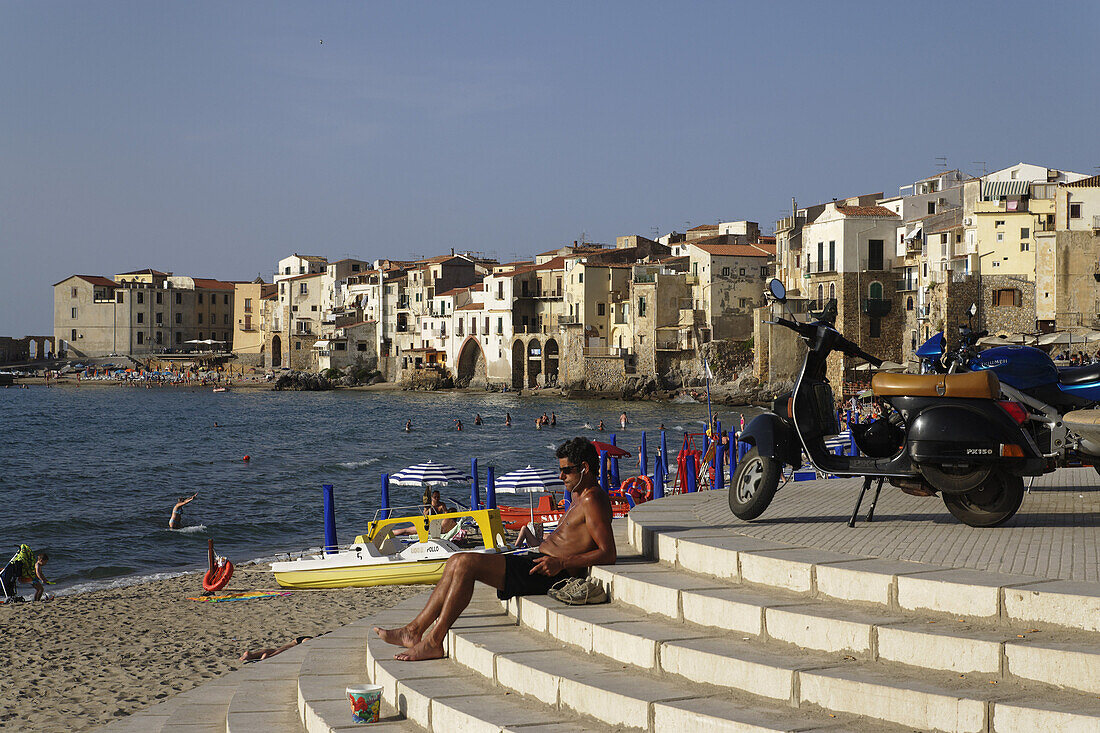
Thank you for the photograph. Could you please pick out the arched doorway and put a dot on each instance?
(534, 362)
(517, 365)
(276, 352)
(551, 362)
(32, 350)
(471, 365)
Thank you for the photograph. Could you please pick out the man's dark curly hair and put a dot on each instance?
(578, 451)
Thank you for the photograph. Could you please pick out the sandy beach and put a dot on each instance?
(81, 661)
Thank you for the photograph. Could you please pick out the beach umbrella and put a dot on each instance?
(613, 451)
(995, 341)
(529, 481)
(427, 474)
(886, 366)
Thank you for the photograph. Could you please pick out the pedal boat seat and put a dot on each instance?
(1079, 375)
(980, 385)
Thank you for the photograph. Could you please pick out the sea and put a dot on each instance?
(89, 474)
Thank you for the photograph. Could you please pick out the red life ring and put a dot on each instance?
(632, 487)
(216, 579)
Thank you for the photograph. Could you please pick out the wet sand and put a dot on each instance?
(84, 660)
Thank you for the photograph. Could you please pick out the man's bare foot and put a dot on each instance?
(424, 650)
(398, 637)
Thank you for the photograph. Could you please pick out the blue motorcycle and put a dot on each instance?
(1029, 376)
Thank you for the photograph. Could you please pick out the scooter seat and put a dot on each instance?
(980, 385)
(1080, 375)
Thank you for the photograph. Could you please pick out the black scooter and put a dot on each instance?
(939, 434)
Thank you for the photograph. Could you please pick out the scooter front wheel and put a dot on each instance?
(992, 503)
(754, 484)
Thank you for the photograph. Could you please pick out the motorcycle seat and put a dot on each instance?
(1080, 375)
(980, 385)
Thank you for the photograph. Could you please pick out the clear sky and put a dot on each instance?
(213, 138)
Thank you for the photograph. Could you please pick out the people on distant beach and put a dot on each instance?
(582, 539)
(477, 419)
(409, 426)
(24, 566)
(622, 421)
(256, 655)
(174, 521)
(600, 426)
(507, 419)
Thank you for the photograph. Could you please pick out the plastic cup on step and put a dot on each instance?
(366, 702)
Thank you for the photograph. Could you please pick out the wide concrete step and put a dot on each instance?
(612, 688)
(694, 657)
(266, 696)
(1016, 652)
(672, 533)
(443, 696)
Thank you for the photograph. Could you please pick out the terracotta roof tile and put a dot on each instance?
(471, 307)
(303, 277)
(731, 250)
(865, 211)
(702, 227)
(210, 284)
(94, 280)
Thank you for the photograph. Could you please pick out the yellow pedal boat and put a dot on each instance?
(379, 558)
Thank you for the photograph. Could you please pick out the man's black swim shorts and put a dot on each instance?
(518, 580)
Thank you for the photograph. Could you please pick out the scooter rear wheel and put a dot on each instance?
(993, 503)
(754, 483)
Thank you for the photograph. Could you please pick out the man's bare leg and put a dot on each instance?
(410, 633)
(446, 603)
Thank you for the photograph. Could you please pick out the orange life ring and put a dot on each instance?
(216, 579)
(631, 486)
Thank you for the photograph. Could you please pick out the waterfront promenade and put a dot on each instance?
(791, 623)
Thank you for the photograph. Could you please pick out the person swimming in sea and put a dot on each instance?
(600, 426)
(458, 425)
(409, 426)
(174, 521)
(507, 419)
(477, 419)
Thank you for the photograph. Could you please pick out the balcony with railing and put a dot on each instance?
(565, 320)
(538, 294)
(674, 339)
(608, 351)
(876, 307)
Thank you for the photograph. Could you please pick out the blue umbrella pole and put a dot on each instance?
(642, 462)
(385, 496)
(490, 488)
(603, 470)
(691, 477)
(330, 518)
(659, 478)
(475, 492)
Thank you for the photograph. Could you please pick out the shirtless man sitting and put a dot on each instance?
(583, 539)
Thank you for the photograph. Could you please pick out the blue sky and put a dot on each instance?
(212, 139)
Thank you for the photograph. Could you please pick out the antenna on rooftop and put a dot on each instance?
(656, 232)
(941, 161)
(981, 163)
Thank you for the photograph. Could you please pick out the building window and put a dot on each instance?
(341, 346)
(742, 271)
(73, 337)
(599, 311)
(179, 318)
(820, 256)
(763, 272)
(820, 296)
(909, 303)
(1006, 297)
(360, 347)
(832, 256)
(140, 336)
(1025, 232)
(282, 289)
(200, 297)
(248, 305)
(875, 329)
(74, 313)
(832, 291)
(158, 303)
(745, 302)
(726, 272)
(179, 337)
(354, 267)
(200, 318)
(303, 289)
(874, 254)
(297, 345)
(999, 223)
(225, 319)
(931, 207)
(200, 335)
(179, 298)
(1075, 211)
(874, 291)
(72, 292)
(141, 297)
(225, 299)
(118, 296)
(1025, 247)
(641, 306)
(159, 339)
(500, 325)
(140, 317)
(1000, 236)
(301, 269)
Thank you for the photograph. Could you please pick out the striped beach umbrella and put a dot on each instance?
(427, 474)
(529, 481)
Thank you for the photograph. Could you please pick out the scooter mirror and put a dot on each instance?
(775, 287)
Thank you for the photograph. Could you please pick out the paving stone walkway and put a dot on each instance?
(1054, 535)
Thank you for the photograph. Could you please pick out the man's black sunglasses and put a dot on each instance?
(569, 469)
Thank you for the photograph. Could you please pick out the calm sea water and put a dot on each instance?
(90, 474)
